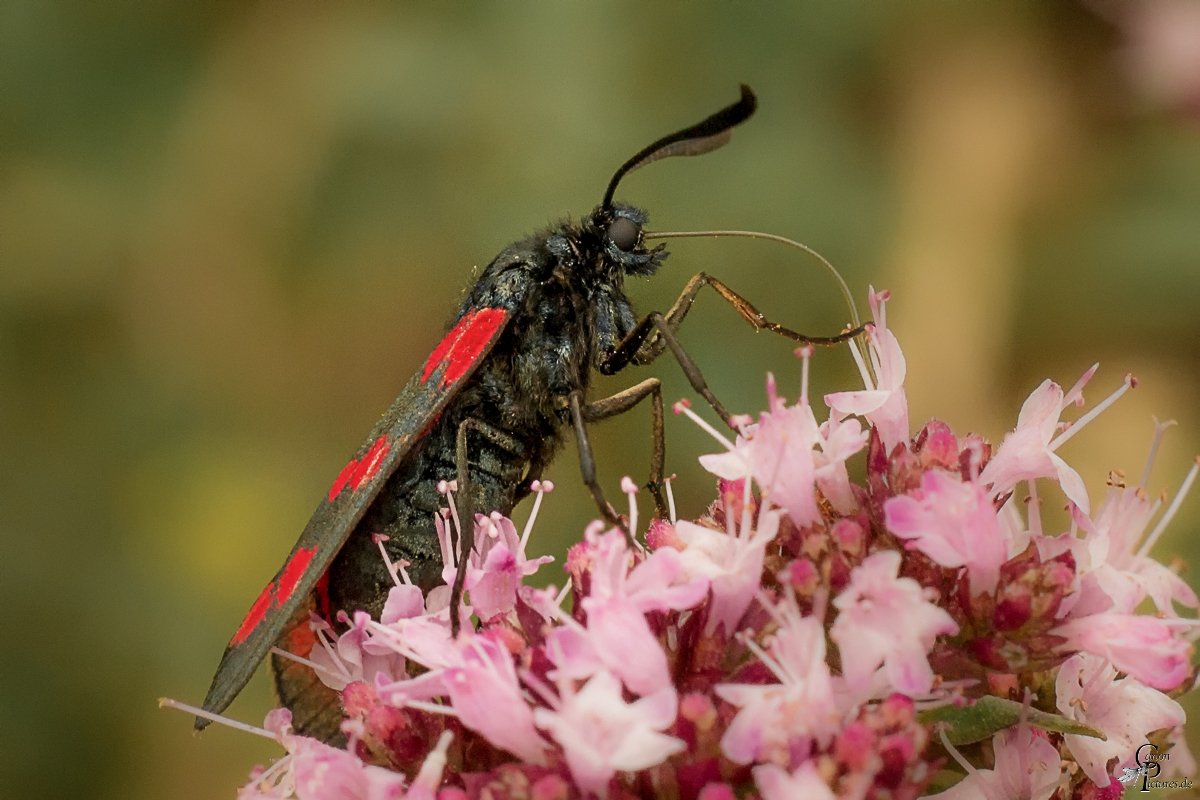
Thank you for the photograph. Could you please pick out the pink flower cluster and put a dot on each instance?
(808, 637)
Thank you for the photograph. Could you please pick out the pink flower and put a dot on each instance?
(403, 602)
(883, 403)
(1027, 766)
(774, 783)
(887, 620)
(315, 771)
(838, 440)
(1117, 572)
(497, 564)
(1028, 452)
(619, 599)
(323, 772)
(777, 720)
(1125, 710)
(353, 658)
(475, 672)
(600, 733)
(954, 523)
(733, 562)
(778, 453)
(1149, 649)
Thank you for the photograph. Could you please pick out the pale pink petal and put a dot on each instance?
(727, 465)
(887, 620)
(1071, 483)
(783, 461)
(857, 403)
(1027, 766)
(488, 699)
(1041, 409)
(600, 733)
(403, 601)
(625, 644)
(775, 720)
(571, 650)
(954, 523)
(495, 591)
(1125, 710)
(1147, 648)
(774, 783)
(661, 583)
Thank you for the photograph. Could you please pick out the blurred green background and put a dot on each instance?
(229, 232)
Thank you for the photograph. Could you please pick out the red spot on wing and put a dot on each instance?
(255, 615)
(293, 571)
(322, 592)
(358, 472)
(340, 482)
(445, 344)
(274, 597)
(371, 463)
(463, 345)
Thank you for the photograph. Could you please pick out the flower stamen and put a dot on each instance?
(1171, 509)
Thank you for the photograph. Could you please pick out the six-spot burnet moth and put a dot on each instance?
(485, 411)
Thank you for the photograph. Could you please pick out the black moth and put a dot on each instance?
(486, 411)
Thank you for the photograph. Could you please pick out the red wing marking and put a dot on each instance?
(292, 573)
(257, 612)
(273, 597)
(445, 344)
(462, 346)
(322, 591)
(301, 640)
(357, 473)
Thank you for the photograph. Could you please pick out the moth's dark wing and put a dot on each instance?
(422, 401)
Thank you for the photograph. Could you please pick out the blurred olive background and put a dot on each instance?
(229, 232)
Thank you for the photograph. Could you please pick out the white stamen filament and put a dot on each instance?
(1171, 509)
(630, 490)
(541, 489)
(1091, 415)
(769, 661)
(558, 601)
(449, 489)
(282, 765)
(1077, 390)
(300, 660)
(333, 656)
(862, 366)
(432, 708)
(1035, 510)
(391, 568)
(541, 689)
(166, 702)
(395, 641)
(670, 499)
(680, 407)
(430, 774)
(957, 756)
(1159, 429)
(804, 353)
(771, 609)
(744, 531)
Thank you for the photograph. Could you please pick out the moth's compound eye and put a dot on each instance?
(624, 233)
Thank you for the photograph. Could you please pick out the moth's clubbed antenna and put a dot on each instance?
(703, 137)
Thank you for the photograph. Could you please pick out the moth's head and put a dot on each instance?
(615, 231)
